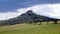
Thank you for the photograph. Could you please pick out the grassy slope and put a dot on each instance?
(31, 29)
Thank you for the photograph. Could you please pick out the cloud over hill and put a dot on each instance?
(50, 10)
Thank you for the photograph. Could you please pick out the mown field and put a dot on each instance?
(31, 29)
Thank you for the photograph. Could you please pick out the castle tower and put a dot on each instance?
(29, 11)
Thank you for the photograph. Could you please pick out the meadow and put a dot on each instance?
(31, 29)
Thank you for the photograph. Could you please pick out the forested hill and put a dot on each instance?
(27, 17)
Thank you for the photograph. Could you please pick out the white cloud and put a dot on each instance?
(50, 10)
(8, 15)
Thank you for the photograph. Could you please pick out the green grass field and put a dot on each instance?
(31, 29)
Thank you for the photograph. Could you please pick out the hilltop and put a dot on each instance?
(27, 17)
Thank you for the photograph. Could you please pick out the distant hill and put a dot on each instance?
(27, 17)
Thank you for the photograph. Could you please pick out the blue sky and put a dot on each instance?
(13, 8)
(12, 5)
